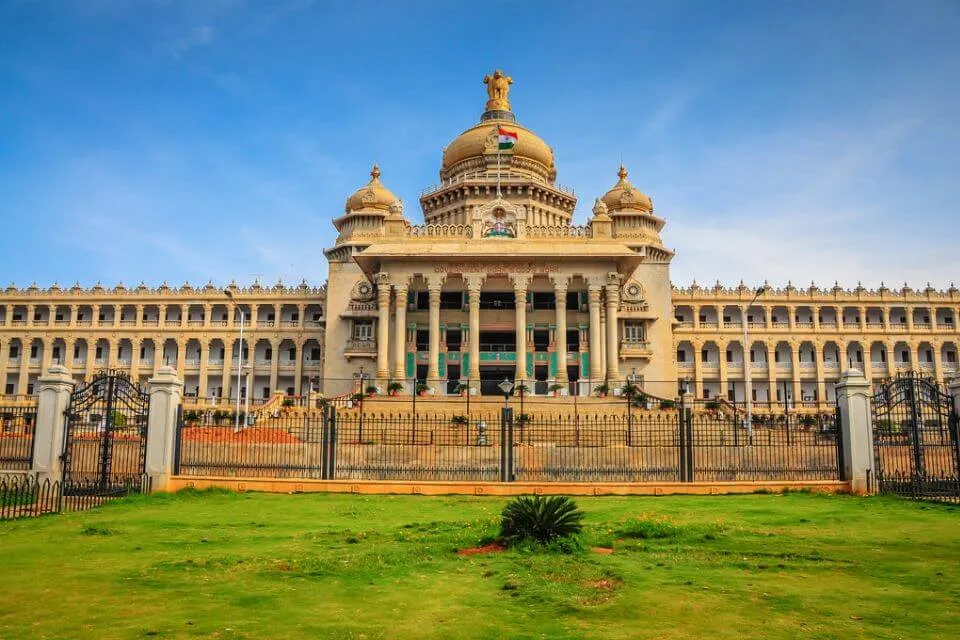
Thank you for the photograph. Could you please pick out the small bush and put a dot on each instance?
(541, 519)
(668, 404)
(461, 419)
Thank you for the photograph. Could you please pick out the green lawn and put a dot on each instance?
(222, 565)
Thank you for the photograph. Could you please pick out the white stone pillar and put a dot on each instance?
(853, 398)
(953, 388)
(596, 373)
(383, 328)
(613, 332)
(400, 332)
(521, 283)
(560, 282)
(54, 399)
(166, 394)
(434, 285)
(474, 285)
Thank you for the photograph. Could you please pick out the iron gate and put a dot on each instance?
(915, 439)
(105, 441)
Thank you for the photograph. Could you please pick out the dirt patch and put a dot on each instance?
(603, 585)
(604, 551)
(485, 549)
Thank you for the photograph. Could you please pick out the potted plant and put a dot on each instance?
(422, 388)
(357, 397)
(521, 389)
(394, 388)
(371, 390)
(808, 421)
(461, 419)
(555, 389)
(463, 388)
(630, 390)
(668, 404)
(711, 405)
(523, 418)
(288, 402)
(602, 390)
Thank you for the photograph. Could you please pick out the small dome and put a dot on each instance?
(482, 140)
(624, 196)
(371, 197)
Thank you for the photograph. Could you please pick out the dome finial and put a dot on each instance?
(375, 172)
(622, 173)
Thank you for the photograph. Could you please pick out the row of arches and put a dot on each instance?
(776, 316)
(875, 356)
(24, 360)
(168, 314)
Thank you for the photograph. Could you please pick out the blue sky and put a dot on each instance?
(215, 139)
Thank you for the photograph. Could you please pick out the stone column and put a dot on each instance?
(434, 285)
(613, 331)
(795, 375)
(204, 363)
(862, 312)
(560, 283)
(474, 285)
(383, 328)
(298, 365)
(135, 359)
(696, 316)
(696, 387)
(593, 290)
(853, 398)
(54, 398)
(400, 331)
(815, 316)
(909, 312)
(792, 317)
(166, 394)
(821, 374)
(521, 282)
(886, 318)
(274, 365)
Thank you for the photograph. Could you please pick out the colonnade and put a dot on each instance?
(392, 300)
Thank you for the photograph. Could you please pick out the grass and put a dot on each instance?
(222, 565)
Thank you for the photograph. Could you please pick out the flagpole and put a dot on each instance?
(498, 161)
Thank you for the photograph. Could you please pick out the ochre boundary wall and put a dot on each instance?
(435, 488)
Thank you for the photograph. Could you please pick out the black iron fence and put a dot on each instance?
(17, 432)
(916, 438)
(24, 496)
(618, 442)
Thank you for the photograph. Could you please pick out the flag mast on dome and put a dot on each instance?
(498, 90)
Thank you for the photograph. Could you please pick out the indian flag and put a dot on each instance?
(505, 138)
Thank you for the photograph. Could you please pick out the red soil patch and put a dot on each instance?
(605, 551)
(253, 435)
(493, 547)
(603, 585)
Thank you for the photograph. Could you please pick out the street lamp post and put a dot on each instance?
(236, 421)
(747, 369)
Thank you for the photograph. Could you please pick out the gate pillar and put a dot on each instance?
(853, 399)
(54, 398)
(953, 388)
(166, 393)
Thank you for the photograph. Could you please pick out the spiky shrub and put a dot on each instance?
(540, 518)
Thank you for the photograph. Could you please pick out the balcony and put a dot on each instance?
(685, 366)
(195, 323)
(709, 324)
(191, 363)
(312, 364)
(153, 322)
(215, 362)
(128, 323)
(360, 349)
(313, 324)
(62, 323)
(34, 362)
(685, 324)
(84, 323)
(289, 324)
(831, 364)
(804, 325)
(498, 356)
(760, 366)
(100, 362)
(874, 326)
(146, 363)
(781, 325)
(13, 361)
(922, 326)
(635, 349)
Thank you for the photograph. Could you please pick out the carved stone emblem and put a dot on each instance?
(362, 292)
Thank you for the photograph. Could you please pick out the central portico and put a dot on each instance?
(498, 282)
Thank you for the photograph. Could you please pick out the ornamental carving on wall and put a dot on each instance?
(632, 291)
(362, 292)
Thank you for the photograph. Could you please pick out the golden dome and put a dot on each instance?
(624, 195)
(482, 140)
(372, 196)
